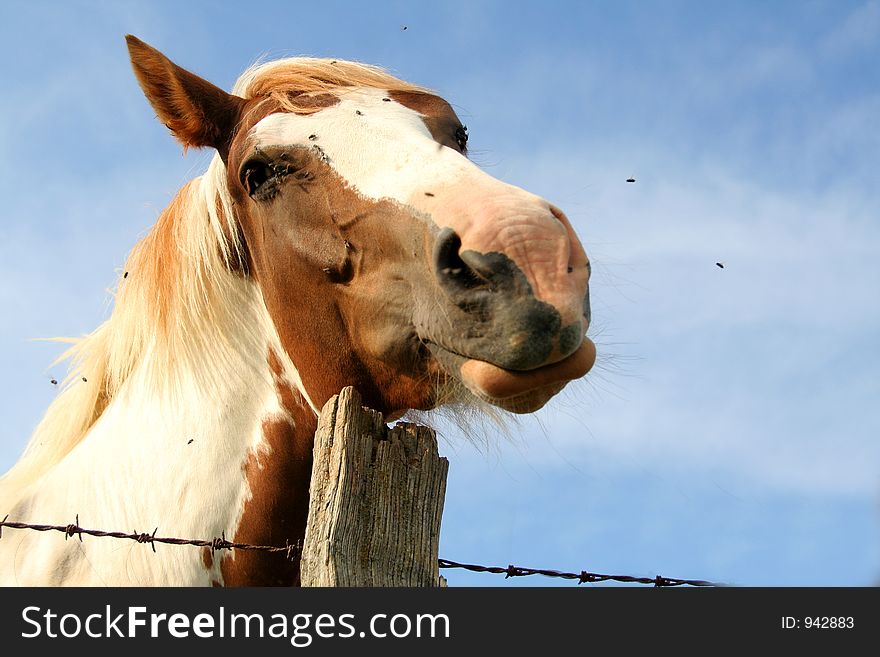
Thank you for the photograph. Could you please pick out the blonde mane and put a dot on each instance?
(179, 289)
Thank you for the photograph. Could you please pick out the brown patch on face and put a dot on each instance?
(301, 103)
(438, 115)
(278, 475)
(339, 274)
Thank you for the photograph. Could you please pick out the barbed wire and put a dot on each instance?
(221, 543)
(582, 577)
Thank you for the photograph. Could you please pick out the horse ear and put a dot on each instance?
(196, 111)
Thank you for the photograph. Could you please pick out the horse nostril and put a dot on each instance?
(449, 266)
(446, 250)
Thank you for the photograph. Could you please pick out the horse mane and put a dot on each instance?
(294, 82)
(179, 295)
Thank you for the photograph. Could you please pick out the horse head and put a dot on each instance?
(386, 259)
(340, 237)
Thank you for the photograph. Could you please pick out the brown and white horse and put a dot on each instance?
(340, 236)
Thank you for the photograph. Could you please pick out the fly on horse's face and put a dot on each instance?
(386, 259)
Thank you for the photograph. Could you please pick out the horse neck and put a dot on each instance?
(216, 443)
(241, 414)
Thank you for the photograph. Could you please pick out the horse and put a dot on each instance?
(340, 236)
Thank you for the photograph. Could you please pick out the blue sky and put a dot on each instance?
(730, 429)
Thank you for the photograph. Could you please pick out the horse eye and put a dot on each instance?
(254, 174)
(461, 137)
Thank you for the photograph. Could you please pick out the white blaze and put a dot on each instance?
(380, 148)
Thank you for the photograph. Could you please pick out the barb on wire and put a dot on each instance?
(581, 577)
(215, 543)
(222, 544)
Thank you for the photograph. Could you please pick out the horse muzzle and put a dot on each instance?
(505, 343)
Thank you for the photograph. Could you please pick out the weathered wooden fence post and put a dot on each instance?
(376, 500)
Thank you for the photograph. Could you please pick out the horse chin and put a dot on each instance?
(516, 391)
